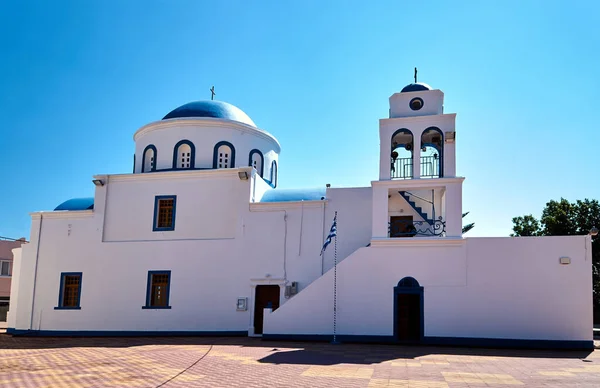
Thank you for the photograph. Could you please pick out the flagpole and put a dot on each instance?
(335, 286)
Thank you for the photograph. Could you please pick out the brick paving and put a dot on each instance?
(248, 362)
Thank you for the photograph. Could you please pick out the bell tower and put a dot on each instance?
(418, 192)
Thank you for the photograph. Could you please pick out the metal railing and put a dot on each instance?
(409, 228)
(402, 168)
(13, 239)
(430, 167)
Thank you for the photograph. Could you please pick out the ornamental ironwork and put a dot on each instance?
(410, 228)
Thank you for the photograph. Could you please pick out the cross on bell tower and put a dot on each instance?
(415, 75)
(212, 91)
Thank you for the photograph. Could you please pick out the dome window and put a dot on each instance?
(256, 161)
(224, 155)
(149, 159)
(416, 103)
(184, 155)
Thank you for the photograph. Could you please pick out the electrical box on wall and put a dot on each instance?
(291, 290)
(565, 260)
(242, 304)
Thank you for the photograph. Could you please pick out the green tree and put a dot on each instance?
(526, 226)
(564, 218)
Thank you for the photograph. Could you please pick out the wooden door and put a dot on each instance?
(408, 319)
(266, 296)
(400, 226)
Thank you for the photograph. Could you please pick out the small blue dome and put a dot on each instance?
(215, 109)
(417, 87)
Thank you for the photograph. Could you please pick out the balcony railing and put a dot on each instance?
(402, 168)
(409, 228)
(430, 166)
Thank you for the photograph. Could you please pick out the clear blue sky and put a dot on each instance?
(78, 78)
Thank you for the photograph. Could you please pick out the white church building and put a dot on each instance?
(199, 240)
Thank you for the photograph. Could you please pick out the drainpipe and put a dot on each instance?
(35, 270)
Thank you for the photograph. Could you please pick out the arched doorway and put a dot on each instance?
(432, 158)
(408, 311)
(402, 154)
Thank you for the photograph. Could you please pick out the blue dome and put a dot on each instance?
(418, 87)
(216, 109)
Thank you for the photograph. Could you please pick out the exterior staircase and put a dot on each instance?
(418, 209)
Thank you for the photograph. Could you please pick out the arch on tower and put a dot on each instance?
(184, 154)
(401, 158)
(432, 153)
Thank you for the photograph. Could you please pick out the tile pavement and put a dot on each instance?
(248, 362)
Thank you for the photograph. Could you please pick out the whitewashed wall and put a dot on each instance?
(209, 272)
(512, 288)
(416, 124)
(204, 134)
(354, 207)
(433, 103)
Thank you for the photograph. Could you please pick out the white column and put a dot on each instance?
(454, 210)
(449, 160)
(380, 212)
(385, 163)
(417, 157)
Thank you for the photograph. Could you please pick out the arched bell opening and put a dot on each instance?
(432, 153)
(401, 158)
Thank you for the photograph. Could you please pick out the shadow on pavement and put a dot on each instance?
(310, 353)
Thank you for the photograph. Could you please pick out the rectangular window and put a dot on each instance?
(164, 213)
(157, 294)
(70, 291)
(4, 268)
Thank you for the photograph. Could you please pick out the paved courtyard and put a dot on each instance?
(247, 362)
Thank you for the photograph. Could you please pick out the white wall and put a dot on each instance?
(204, 134)
(417, 124)
(433, 103)
(354, 207)
(510, 288)
(208, 273)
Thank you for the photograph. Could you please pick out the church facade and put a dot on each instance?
(200, 240)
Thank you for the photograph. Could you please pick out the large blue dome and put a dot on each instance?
(216, 109)
(416, 87)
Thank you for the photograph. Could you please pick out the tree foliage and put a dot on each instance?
(467, 227)
(564, 218)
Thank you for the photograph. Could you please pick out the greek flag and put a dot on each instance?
(332, 234)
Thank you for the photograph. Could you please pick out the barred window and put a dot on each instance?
(158, 289)
(164, 213)
(70, 291)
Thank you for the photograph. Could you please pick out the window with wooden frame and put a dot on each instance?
(157, 293)
(5, 268)
(164, 213)
(70, 291)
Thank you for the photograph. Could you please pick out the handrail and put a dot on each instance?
(414, 195)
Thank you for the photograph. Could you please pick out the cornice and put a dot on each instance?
(418, 119)
(418, 183)
(62, 214)
(204, 122)
(417, 241)
(274, 206)
(177, 174)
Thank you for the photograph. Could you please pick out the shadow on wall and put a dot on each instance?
(283, 352)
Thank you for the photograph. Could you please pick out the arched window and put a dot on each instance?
(224, 155)
(274, 173)
(401, 162)
(184, 155)
(256, 160)
(149, 159)
(432, 150)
